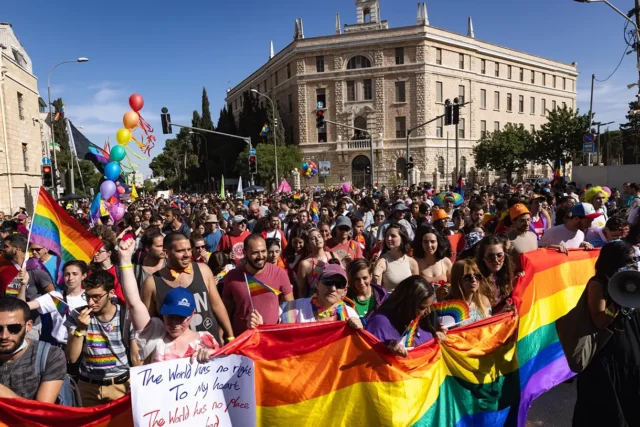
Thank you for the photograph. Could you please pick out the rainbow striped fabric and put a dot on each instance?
(325, 373)
(409, 337)
(256, 287)
(455, 308)
(53, 228)
(61, 306)
(315, 212)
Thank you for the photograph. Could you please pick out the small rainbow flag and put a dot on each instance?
(315, 212)
(61, 306)
(264, 131)
(256, 287)
(53, 228)
(296, 197)
(409, 337)
(456, 308)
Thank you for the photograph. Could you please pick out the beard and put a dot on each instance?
(10, 255)
(257, 265)
(10, 350)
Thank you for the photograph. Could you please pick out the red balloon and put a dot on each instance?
(120, 189)
(136, 102)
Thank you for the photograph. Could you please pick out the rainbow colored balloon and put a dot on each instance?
(309, 169)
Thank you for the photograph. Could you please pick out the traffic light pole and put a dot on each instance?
(370, 143)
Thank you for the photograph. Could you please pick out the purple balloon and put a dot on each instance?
(107, 189)
(117, 211)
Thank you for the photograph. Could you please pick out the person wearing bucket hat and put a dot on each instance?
(169, 337)
(398, 210)
(341, 244)
(570, 235)
(523, 240)
(212, 233)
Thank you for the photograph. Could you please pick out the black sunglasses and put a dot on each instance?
(338, 284)
(470, 277)
(14, 329)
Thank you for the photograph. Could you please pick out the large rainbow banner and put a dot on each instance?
(486, 374)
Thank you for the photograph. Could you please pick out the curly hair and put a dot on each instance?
(444, 247)
(591, 193)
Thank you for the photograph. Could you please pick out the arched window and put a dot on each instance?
(360, 123)
(401, 167)
(441, 166)
(359, 175)
(367, 15)
(358, 61)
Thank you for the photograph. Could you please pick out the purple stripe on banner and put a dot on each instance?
(46, 233)
(542, 381)
(45, 243)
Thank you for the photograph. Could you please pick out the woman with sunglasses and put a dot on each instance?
(467, 284)
(496, 266)
(49, 261)
(608, 388)
(167, 338)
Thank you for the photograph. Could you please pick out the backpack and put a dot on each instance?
(69, 394)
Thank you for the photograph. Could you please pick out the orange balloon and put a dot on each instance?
(130, 119)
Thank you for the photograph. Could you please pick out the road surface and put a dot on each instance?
(554, 408)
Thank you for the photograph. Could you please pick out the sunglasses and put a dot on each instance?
(13, 329)
(36, 249)
(498, 256)
(344, 228)
(471, 277)
(200, 247)
(338, 284)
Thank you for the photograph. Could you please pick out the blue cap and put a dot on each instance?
(179, 302)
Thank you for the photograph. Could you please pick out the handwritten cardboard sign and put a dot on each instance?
(220, 393)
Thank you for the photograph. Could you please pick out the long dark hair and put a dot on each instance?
(405, 244)
(405, 301)
(289, 253)
(613, 256)
(444, 247)
(504, 276)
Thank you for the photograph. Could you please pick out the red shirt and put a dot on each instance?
(234, 243)
(117, 285)
(350, 247)
(267, 304)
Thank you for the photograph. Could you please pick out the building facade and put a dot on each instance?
(22, 126)
(389, 80)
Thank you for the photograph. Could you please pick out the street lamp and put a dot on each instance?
(275, 124)
(55, 157)
(206, 147)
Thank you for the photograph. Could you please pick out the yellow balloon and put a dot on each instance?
(123, 136)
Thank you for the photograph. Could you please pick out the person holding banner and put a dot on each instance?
(468, 285)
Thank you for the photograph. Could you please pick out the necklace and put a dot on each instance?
(339, 310)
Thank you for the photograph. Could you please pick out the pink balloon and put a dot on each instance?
(120, 189)
(346, 188)
(117, 211)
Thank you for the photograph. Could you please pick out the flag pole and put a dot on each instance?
(246, 281)
(26, 255)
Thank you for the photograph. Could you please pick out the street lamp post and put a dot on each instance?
(55, 157)
(275, 135)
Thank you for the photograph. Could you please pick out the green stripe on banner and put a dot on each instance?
(531, 344)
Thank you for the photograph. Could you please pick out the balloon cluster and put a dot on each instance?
(309, 170)
(111, 188)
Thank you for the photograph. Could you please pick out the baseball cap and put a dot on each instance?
(439, 214)
(517, 210)
(211, 218)
(331, 270)
(585, 210)
(179, 302)
(399, 206)
(238, 219)
(343, 221)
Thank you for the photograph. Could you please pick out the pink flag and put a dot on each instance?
(284, 187)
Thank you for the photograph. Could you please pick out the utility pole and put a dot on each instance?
(456, 120)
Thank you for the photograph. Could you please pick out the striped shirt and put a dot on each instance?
(104, 354)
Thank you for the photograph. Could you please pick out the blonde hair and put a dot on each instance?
(591, 193)
(458, 271)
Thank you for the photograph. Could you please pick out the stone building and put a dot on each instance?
(22, 126)
(388, 80)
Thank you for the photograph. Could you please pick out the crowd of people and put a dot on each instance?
(170, 280)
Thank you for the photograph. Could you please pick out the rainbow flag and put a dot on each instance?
(53, 228)
(264, 131)
(409, 337)
(315, 212)
(256, 287)
(61, 306)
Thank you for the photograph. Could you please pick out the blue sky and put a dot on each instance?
(167, 50)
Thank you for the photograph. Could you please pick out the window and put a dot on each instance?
(399, 55)
(358, 61)
(497, 70)
(544, 79)
(496, 100)
(532, 106)
(483, 127)
(19, 59)
(351, 90)
(553, 105)
(367, 89)
(439, 126)
(461, 94)
(438, 56)
(483, 66)
(509, 72)
(461, 128)
(483, 98)
(509, 102)
(400, 92)
(321, 96)
(496, 126)
(521, 74)
(401, 127)
(564, 105)
(521, 104)
(532, 128)
(461, 61)
(441, 166)
(25, 158)
(20, 105)
(438, 91)
(290, 101)
(554, 82)
(564, 83)
(41, 109)
(320, 64)
(533, 77)
(543, 107)
(288, 71)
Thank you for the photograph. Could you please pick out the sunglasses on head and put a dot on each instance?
(338, 284)
(470, 277)
(498, 256)
(13, 329)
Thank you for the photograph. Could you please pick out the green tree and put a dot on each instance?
(176, 161)
(226, 150)
(503, 150)
(560, 139)
(631, 136)
(612, 141)
(60, 135)
(148, 186)
(289, 157)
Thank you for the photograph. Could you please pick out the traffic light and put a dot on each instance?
(456, 114)
(253, 164)
(47, 178)
(165, 118)
(409, 165)
(448, 113)
(367, 169)
(320, 118)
